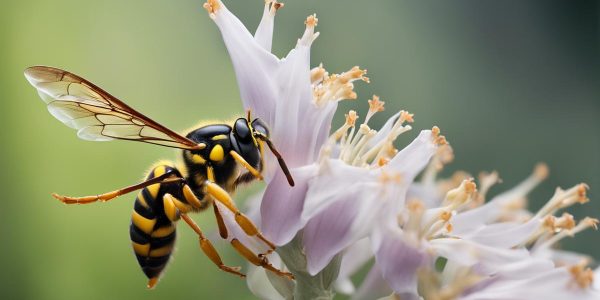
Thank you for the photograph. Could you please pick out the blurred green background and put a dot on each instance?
(510, 83)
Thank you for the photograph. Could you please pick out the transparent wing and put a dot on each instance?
(96, 114)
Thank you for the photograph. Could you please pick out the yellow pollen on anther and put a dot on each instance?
(408, 117)
(382, 161)
(375, 105)
(541, 171)
(463, 193)
(212, 6)
(351, 117)
(582, 193)
(582, 275)
(550, 223)
(437, 138)
(274, 5)
(566, 221)
(415, 206)
(317, 74)
(445, 216)
(311, 21)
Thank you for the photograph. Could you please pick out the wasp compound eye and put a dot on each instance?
(242, 130)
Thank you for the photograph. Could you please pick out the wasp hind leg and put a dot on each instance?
(173, 210)
(111, 195)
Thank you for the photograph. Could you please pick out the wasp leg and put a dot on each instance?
(257, 259)
(222, 228)
(209, 250)
(219, 194)
(246, 165)
(111, 195)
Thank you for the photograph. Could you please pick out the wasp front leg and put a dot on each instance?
(219, 194)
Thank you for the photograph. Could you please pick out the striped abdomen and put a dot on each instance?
(152, 233)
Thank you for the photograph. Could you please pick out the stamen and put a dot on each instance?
(444, 186)
(318, 74)
(351, 118)
(374, 106)
(309, 35)
(583, 225)
(416, 209)
(486, 181)
(565, 222)
(438, 139)
(443, 156)
(311, 21)
(563, 199)
(583, 276)
(380, 150)
(212, 6)
(336, 87)
(340, 134)
(273, 6)
(461, 194)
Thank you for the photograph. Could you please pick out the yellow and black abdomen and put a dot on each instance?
(152, 233)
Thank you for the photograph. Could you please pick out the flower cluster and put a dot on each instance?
(356, 197)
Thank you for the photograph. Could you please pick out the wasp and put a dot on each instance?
(216, 159)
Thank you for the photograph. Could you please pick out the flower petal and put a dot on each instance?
(554, 284)
(398, 258)
(282, 205)
(373, 287)
(264, 32)
(354, 258)
(411, 160)
(254, 66)
(466, 253)
(502, 235)
(340, 225)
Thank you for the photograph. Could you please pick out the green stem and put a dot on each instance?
(319, 286)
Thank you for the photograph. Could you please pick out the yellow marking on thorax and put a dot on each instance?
(198, 159)
(160, 170)
(163, 231)
(146, 225)
(219, 137)
(141, 249)
(217, 153)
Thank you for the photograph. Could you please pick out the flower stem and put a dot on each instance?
(319, 286)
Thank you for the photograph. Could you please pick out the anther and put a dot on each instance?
(311, 21)
(582, 275)
(318, 74)
(461, 194)
(212, 6)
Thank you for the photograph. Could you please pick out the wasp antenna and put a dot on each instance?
(282, 164)
(249, 112)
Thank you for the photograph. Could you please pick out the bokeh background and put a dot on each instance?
(510, 83)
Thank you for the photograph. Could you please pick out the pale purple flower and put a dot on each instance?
(356, 197)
